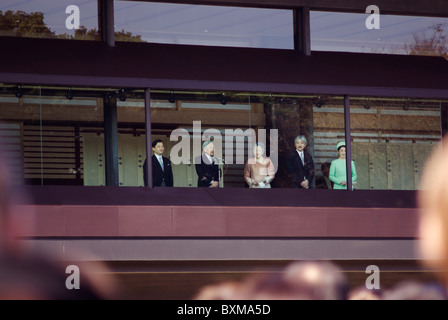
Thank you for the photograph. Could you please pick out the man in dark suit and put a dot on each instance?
(162, 173)
(300, 165)
(206, 168)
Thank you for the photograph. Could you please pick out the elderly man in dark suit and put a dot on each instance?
(162, 173)
(300, 165)
(206, 167)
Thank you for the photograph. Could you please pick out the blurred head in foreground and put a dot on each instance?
(414, 290)
(27, 273)
(227, 290)
(271, 286)
(300, 280)
(362, 293)
(14, 221)
(322, 280)
(433, 204)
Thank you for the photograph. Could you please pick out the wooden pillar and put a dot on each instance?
(111, 140)
(106, 21)
(302, 36)
(348, 143)
(148, 168)
(444, 116)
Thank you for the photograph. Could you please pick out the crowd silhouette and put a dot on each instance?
(324, 280)
(28, 273)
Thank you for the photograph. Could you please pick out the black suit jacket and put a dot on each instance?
(157, 174)
(297, 171)
(206, 171)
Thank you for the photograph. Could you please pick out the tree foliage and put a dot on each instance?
(23, 24)
(127, 36)
(433, 45)
(32, 25)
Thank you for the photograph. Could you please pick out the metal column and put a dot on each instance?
(111, 140)
(148, 136)
(348, 145)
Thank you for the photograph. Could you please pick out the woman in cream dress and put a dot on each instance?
(259, 171)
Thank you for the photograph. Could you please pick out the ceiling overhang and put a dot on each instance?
(436, 8)
(142, 65)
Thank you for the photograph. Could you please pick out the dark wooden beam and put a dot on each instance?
(111, 140)
(348, 143)
(435, 8)
(172, 67)
(106, 21)
(444, 116)
(148, 135)
(302, 31)
(78, 153)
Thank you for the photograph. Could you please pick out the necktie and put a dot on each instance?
(161, 163)
(301, 158)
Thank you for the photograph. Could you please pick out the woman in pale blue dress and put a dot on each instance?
(338, 169)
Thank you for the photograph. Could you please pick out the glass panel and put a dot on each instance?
(131, 136)
(47, 19)
(204, 25)
(56, 134)
(392, 138)
(263, 136)
(184, 120)
(331, 31)
(314, 124)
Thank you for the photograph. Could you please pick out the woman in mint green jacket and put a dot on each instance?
(338, 169)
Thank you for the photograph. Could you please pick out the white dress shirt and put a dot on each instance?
(210, 159)
(302, 157)
(160, 159)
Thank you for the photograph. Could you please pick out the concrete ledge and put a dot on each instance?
(187, 249)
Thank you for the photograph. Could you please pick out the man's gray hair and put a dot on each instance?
(301, 137)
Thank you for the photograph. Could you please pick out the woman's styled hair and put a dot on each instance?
(259, 144)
